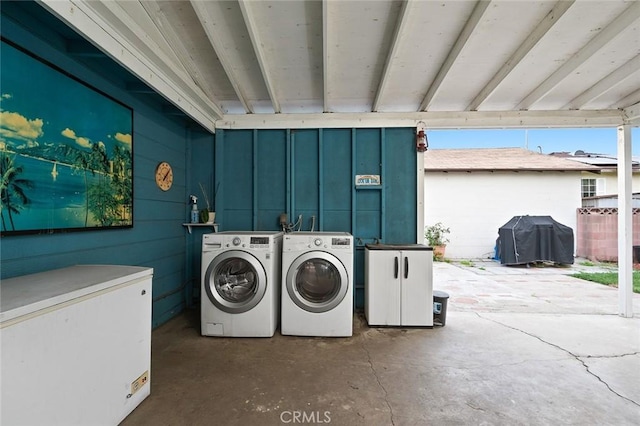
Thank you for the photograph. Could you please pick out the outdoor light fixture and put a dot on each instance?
(421, 137)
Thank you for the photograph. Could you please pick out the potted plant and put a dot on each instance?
(436, 236)
(208, 215)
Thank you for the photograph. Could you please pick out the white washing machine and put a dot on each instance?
(241, 278)
(317, 284)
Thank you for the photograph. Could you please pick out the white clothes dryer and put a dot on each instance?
(317, 284)
(241, 278)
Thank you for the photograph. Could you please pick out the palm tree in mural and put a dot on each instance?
(121, 183)
(104, 205)
(12, 189)
(102, 202)
(90, 162)
(82, 162)
(111, 191)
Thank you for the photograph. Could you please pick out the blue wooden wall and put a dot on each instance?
(311, 172)
(261, 174)
(157, 239)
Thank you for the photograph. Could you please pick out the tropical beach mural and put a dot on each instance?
(65, 151)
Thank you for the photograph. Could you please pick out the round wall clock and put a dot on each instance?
(164, 176)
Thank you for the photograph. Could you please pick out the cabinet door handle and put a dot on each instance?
(406, 267)
(395, 273)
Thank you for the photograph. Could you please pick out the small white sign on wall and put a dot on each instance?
(367, 180)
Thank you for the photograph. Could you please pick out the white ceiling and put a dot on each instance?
(338, 63)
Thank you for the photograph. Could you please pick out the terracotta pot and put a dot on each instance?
(438, 252)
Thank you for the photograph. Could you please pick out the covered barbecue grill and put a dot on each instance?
(530, 239)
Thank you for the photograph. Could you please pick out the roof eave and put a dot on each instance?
(468, 170)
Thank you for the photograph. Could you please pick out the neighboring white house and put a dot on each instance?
(476, 191)
(599, 186)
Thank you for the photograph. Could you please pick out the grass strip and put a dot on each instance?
(608, 278)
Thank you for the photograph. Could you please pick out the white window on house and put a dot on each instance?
(588, 188)
(593, 187)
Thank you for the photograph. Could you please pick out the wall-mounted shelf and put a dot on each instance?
(200, 225)
(368, 187)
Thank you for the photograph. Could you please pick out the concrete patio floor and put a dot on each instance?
(521, 346)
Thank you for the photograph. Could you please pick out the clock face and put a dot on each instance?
(164, 176)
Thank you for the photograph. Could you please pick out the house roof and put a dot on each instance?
(493, 159)
(603, 161)
(597, 161)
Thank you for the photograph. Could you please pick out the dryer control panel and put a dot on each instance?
(240, 240)
(301, 242)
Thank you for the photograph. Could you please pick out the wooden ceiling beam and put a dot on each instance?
(206, 21)
(611, 31)
(521, 52)
(468, 29)
(258, 48)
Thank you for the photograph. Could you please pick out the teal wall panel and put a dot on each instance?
(400, 187)
(200, 155)
(368, 199)
(238, 171)
(368, 150)
(305, 176)
(270, 177)
(337, 180)
(368, 145)
(311, 172)
(237, 180)
(368, 225)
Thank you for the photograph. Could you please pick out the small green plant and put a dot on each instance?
(467, 263)
(205, 195)
(436, 235)
(587, 263)
(211, 206)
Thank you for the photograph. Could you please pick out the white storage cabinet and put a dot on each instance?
(75, 345)
(399, 284)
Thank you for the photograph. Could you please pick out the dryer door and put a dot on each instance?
(317, 281)
(235, 281)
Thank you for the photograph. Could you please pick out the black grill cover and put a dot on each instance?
(529, 239)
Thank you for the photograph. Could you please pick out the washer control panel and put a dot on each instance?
(248, 241)
(241, 240)
(259, 242)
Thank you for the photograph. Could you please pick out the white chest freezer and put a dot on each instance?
(75, 345)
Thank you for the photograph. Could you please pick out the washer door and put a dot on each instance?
(235, 281)
(317, 281)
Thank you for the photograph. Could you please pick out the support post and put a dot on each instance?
(420, 197)
(625, 231)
